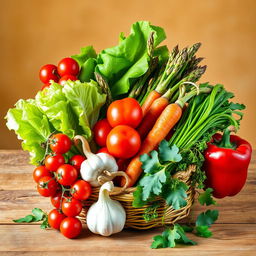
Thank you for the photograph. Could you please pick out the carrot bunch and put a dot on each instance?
(162, 103)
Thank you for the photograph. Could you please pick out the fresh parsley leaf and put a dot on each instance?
(203, 231)
(183, 238)
(207, 218)
(206, 197)
(45, 224)
(159, 242)
(167, 153)
(137, 198)
(152, 184)
(151, 164)
(170, 237)
(38, 214)
(26, 219)
(187, 228)
(175, 195)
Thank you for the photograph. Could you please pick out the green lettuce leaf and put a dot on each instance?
(87, 62)
(122, 64)
(85, 100)
(71, 109)
(31, 126)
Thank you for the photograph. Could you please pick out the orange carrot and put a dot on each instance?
(153, 95)
(166, 121)
(151, 116)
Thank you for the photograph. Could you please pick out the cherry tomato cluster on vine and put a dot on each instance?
(116, 134)
(61, 182)
(67, 69)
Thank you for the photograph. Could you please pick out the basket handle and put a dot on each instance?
(107, 176)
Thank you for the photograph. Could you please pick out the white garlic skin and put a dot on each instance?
(106, 216)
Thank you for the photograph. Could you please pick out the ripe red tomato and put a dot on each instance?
(65, 78)
(124, 112)
(68, 66)
(55, 200)
(71, 227)
(66, 174)
(60, 143)
(123, 141)
(53, 162)
(39, 172)
(48, 72)
(47, 186)
(55, 218)
(101, 130)
(81, 190)
(71, 206)
(76, 161)
(103, 150)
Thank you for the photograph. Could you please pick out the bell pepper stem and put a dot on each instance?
(225, 140)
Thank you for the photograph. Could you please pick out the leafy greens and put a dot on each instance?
(71, 109)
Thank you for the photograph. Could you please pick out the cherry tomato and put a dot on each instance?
(68, 66)
(76, 161)
(60, 143)
(55, 199)
(66, 174)
(39, 172)
(81, 190)
(48, 72)
(47, 85)
(123, 141)
(103, 150)
(71, 206)
(55, 218)
(71, 227)
(65, 78)
(47, 186)
(101, 130)
(124, 112)
(52, 163)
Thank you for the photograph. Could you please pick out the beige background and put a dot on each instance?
(35, 32)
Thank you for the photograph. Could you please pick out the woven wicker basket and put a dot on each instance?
(134, 216)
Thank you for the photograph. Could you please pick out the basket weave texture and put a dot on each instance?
(165, 214)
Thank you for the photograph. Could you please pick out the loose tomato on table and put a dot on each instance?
(39, 172)
(124, 112)
(48, 72)
(53, 162)
(55, 218)
(68, 66)
(71, 206)
(47, 186)
(76, 161)
(71, 227)
(101, 130)
(66, 174)
(81, 190)
(60, 143)
(123, 141)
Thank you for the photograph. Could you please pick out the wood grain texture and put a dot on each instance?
(235, 232)
(227, 238)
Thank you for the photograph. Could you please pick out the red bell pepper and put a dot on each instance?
(226, 163)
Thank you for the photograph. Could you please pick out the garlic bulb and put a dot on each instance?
(95, 164)
(106, 216)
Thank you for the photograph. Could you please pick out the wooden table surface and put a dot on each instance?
(234, 232)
